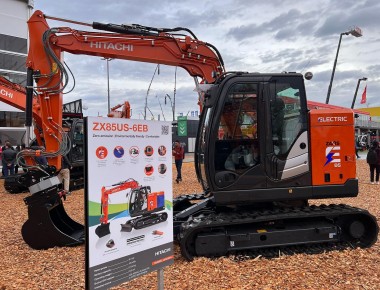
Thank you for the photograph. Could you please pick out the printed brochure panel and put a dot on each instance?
(129, 198)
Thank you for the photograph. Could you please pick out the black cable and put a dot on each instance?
(72, 75)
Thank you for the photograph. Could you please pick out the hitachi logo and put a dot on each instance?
(332, 119)
(6, 93)
(162, 251)
(113, 46)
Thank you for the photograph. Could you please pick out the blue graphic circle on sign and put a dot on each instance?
(118, 151)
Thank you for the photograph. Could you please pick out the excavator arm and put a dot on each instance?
(128, 184)
(104, 227)
(133, 42)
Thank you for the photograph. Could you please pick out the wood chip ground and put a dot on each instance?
(63, 268)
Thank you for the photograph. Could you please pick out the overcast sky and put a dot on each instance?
(275, 36)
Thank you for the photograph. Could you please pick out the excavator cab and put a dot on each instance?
(138, 200)
(253, 139)
(256, 140)
(260, 156)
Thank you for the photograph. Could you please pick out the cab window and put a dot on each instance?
(237, 146)
(287, 120)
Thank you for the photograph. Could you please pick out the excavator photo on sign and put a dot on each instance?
(142, 207)
(245, 116)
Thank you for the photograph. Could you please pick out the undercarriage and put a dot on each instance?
(205, 230)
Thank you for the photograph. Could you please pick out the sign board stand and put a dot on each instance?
(160, 279)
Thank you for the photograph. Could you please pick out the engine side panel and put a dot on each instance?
(332, 143)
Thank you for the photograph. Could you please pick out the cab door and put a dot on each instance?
(235, 141)
(287, 146)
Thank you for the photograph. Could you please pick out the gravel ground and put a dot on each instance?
(63, 268)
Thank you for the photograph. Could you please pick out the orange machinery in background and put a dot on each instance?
(125, 111)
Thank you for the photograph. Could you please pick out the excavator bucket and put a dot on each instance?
(48, 224)
(127, 227)
(103, 230)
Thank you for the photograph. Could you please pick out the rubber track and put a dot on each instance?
(236, 218)
(276, 252)
(189, 197)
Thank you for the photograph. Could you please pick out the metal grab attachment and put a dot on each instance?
(48, 224)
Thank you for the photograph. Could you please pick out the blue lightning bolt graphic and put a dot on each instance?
(329, 158)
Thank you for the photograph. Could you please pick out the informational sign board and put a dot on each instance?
(129, 218)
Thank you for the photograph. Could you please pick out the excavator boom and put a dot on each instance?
(136, 43)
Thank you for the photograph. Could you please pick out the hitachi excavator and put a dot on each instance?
(261, 155)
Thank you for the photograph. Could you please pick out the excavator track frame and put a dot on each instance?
(223, 232)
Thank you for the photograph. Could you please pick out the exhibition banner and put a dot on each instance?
(129, 218)
(182, 125)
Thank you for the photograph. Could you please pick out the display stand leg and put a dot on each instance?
(160, 279)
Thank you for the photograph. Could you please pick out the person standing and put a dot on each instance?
(178, 153)
(373, 159)
(64, 174)
(357, 149)
(18, 149)
(8, 159)
(1, 159)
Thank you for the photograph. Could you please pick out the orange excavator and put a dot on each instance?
(142, 204)
(259, 166)
(125, 111)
